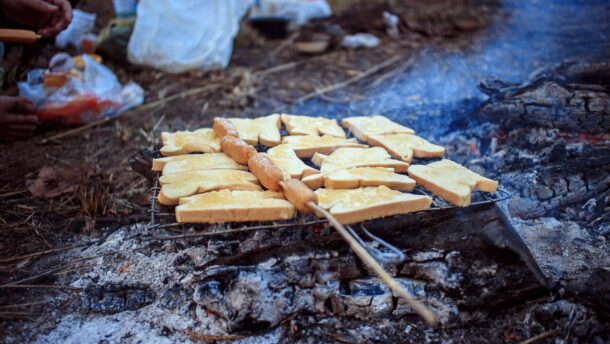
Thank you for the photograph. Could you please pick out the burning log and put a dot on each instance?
(571, 97)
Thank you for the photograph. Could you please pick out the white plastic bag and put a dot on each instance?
(176, 36)
(298, 11)
(81, 24)
(98, 95)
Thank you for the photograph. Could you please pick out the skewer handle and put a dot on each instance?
(428, 316)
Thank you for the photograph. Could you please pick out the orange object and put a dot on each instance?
(237, 149)
(79, 62)
(81, 109)
(18, 36)
(267, 173)
(223, 127)
(297, 193)
(54, 80)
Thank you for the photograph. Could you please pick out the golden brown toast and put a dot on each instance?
(451, 181)
(184, 142)
(234, 206)
(307, 146)
(177, 185)
(360, 177)
(407, 146)
(304, 125)
(345, 158)
(364, 126)
(263, 130)
(284, 157)
(190, 162)
(356, 205)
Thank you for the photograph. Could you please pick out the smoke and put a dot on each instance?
(524, 37)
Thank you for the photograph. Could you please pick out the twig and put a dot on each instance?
(13, 315)
(54, 270)
(542, 336)
(42, 286)
(284, 44)
(148, 106)
(41, 253)
(393, 72)
(24, 304)
(428, 316)
(351, 80)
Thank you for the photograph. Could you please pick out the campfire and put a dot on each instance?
(110, 253)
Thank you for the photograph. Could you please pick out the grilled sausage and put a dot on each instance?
(298, 194)
(223, 127)
(267, 173)
(237, 149)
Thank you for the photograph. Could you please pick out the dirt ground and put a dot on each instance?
(264, 77)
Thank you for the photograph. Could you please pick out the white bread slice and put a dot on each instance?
(364, 126)
(184, 142)
(263, 130)
(307, 146)
(356, 205)
(305, 125)
(451, 181)
(190, 162)
(407, 146)
(360, 177)
(284, 157)
(234, 206)
(177, 185)
(344, 158)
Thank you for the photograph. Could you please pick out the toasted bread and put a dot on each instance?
(451, 181)
(344, 158)
(304, 125)
(263, 130)
(177, 185)
(407, 146)
(234, 206)
(284, 157)
(307, 146)
(355, 205)
(363, 127)
(185, 142)
(190, 162)
(360, 177)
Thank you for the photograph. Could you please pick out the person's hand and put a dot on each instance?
(49, 16)
(17, 119)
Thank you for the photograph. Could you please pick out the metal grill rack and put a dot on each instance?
(160, 220)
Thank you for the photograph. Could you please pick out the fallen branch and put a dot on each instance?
(351, 80)
(542, 336)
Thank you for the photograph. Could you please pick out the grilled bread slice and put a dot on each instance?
(185, 142)
(407, 146)
(190, 162)
(451, 181)
(307, 146)
(304, 125)
(360, 177)
(263, 130)
(177, 185)
(234, 206)
(355, 205)
(284, 157)
(365, 126)
(345, 158)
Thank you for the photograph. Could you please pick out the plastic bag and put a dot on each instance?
(298, 11)
(176, 36)
(98, 95)
(82, 23)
